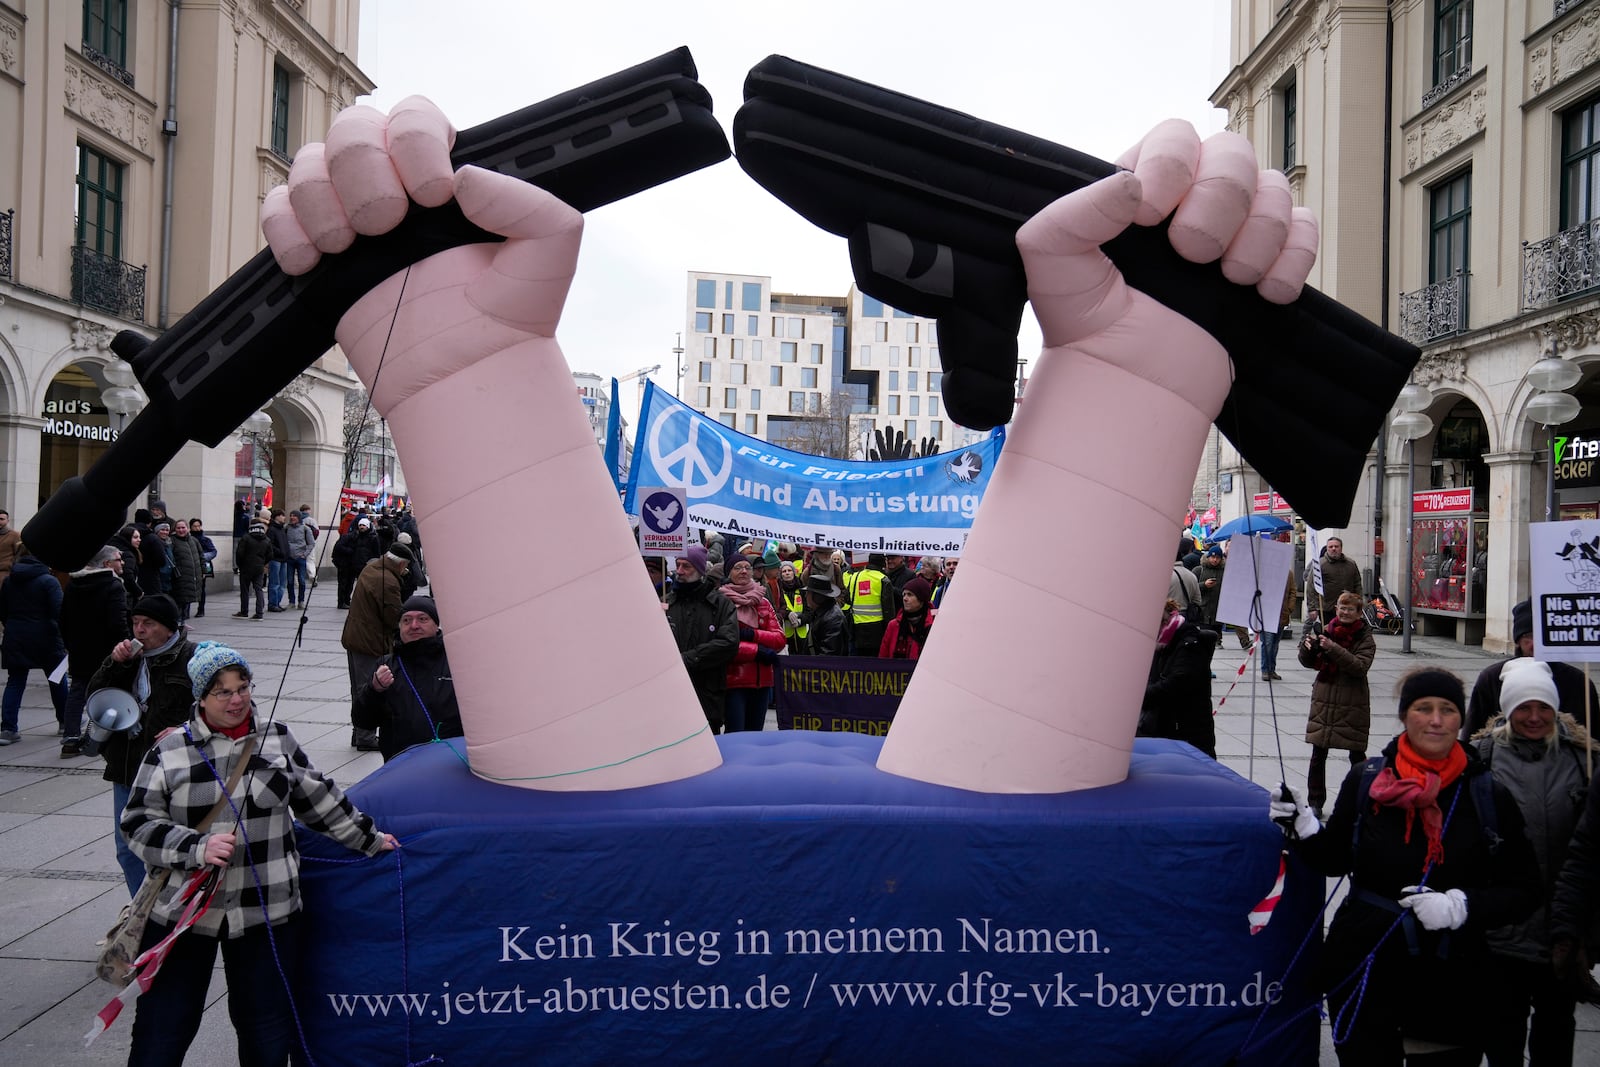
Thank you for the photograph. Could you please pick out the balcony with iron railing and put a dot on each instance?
(1563, 6)
(5, 244)
(1561, 267)
(1434, 312)
(106, 283)
(106, 63)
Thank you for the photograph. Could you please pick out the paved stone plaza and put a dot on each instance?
(60, 886)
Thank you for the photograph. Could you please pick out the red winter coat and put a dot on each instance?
(746, 672)
(891, 637)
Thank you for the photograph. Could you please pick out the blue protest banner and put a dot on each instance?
(840, 693)
(744, 485)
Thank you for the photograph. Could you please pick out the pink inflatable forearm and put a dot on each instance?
(1033, 678)
(567, 675)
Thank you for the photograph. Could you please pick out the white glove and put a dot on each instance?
(1304, 822)
(1436, 911)
(794, 618)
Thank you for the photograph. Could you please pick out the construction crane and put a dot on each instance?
(643, 374)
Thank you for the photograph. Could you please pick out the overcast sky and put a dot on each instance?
(1086, 73)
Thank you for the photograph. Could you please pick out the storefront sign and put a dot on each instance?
(1262, 502)
(1431, 501)
(64, 428)
(1576, 456)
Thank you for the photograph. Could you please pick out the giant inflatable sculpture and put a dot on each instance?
(1008, 878)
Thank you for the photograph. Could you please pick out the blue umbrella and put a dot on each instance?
(1248, 524)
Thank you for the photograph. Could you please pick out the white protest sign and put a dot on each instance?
(1564, 569)
(1255, 565)
(1314, 560)
(663, 520)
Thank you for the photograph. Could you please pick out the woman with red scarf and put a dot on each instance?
(1341, 705)
(907, 632)
(1430, 872)
(750, 674)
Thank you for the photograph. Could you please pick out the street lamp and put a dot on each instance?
(677, 383)
(1551, 407)
(1409, 425)
(257, 424)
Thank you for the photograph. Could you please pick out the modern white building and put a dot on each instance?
(771, 365)
(137, 139)
(1451, 149)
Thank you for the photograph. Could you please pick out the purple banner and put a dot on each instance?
(840, 693)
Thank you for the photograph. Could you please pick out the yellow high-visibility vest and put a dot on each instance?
(866, 596)
(794, 602)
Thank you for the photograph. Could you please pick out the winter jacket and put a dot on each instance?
(1341, 703)
(278, 537)
(300, 540)
(130, 567)
(178, 783)
(30, 607)
(1338, 576)
(94, 618)
(171, 703)
(1501, 881)
(891, 637)
(825, 631)
(1550, 786)
(208, 547)
(188, 569)
(1177, 692)
(374, 615)
(422, 691)
(10, 551)
(706, 628)
(750, 670)
(1183, 588)
(1484, 703)
(355, 549)
(1576, 900)
(251, 556)
(1209, 597)
(156, 575)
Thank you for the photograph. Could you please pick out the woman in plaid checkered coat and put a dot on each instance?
(254, 915)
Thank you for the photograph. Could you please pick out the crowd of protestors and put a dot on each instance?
(1472, 841)
(734, 606)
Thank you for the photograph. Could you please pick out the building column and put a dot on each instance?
(316, 472)
(20, 445)
(1513, 477)
(1397, 514)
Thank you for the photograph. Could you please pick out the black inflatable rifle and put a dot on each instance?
(931, 200)
(244, 342)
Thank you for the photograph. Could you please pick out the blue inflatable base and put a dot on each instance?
(798, 906)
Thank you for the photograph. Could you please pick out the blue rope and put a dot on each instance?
(1364, 968)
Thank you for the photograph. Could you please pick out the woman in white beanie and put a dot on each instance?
(1538, 755)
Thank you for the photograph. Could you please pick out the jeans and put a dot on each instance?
(246, 586)
(298, 574)
(168, 1016)
(1269, 652)
(11, 702)
(277, 570)
(72, 720)
(132, 866)
(746, 709)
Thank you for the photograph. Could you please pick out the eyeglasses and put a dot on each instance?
(227, 695)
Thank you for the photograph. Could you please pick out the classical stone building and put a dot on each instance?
(137, 139)
(1450, 148)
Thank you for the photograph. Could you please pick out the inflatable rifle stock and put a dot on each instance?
(252, 336)
(930, 200)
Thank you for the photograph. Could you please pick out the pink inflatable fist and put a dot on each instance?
(1052, 705)
(459, 355)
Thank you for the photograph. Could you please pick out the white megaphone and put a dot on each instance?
(111, 711)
